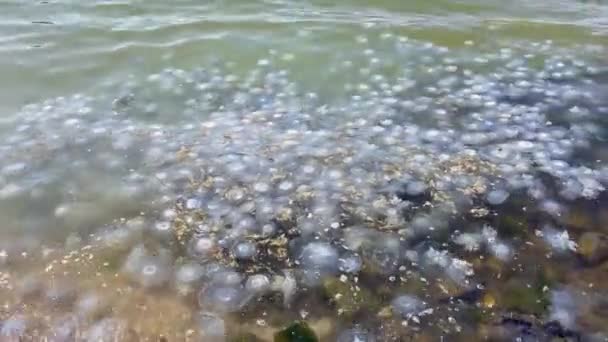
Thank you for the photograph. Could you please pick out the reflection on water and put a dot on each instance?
(299, 172)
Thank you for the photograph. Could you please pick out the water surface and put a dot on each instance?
(395, 170)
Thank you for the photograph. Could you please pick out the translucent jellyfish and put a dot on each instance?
(203, 247)
(469, 241)
(90, 305)
(153, 273)
(501, 250)
(497, 197)
(187, 277)
(287, 285)
(350, 263)
(13, 328)
(119, 239)
(64, 328)
(61, 293)
(286, 186)
(194, 203)
(244, 223)
(211, 326)
(223, 298)
(356, 334)
(319, 256)
(245, 250)
(146, 269)
(384, 255)
(458, 270)
(559, 241)
(13, 169)
(261, 187)
(436, 257)
(268, 230)
(407, 305)
(257, 283)
(571, 190)
(357, 237)
(552, 208)
(29, 286)
(415, 188)
(226, 277)
(563, 308)
(163, 229)
(108, 330)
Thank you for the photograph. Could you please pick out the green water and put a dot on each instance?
(50, 48)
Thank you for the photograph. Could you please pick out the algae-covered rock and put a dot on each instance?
(245, 337)
(347, 297)
(512, 225)
(519, 296)
(579, 219)
(593, 247)
(296, 332)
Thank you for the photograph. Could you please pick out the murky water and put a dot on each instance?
(302, 171)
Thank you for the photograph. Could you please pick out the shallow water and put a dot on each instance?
(389, 171)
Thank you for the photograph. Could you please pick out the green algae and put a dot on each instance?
(296, 332)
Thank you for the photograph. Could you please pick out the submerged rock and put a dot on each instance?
(349, 298)
(245, 337)
(296, 332)
(593, 247)
(520, 296)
